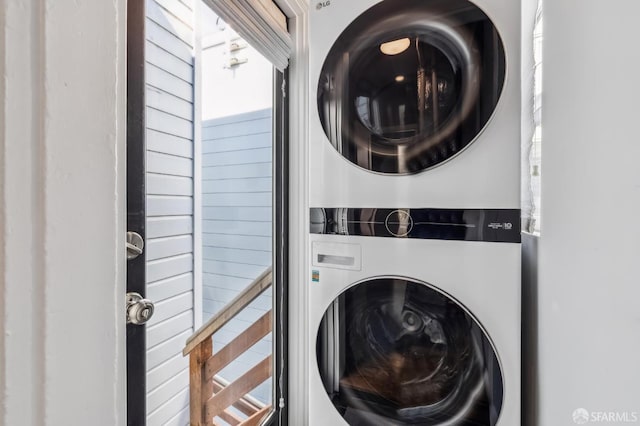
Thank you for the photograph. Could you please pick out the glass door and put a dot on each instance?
(242, 180)
(206, 178)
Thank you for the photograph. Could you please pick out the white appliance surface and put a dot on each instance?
(482, 277)
(486, 174)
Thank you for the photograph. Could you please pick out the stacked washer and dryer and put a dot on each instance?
(414, 297)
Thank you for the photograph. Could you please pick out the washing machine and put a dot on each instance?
(414, 174)
(414, 103)
(414, 317)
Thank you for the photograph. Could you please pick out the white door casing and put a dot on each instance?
(62, 214)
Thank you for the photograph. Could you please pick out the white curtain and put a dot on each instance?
(259, 22)
(531, 104)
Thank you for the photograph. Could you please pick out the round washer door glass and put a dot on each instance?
(398, 352)
(410, 84)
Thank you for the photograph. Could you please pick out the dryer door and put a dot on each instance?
(395, 351)
(408, 85)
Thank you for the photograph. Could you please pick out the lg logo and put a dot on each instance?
(323, 4)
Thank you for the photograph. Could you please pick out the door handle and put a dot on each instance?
(139, 309)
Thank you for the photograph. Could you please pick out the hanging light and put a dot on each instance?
(399, 78)
(395, 47)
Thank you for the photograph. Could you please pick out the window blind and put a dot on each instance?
(261, 23)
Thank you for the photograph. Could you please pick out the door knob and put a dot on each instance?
(139, 309)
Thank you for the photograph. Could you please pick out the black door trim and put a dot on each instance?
(136, 206)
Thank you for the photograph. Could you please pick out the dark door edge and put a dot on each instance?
(281, 245)
(136, 206)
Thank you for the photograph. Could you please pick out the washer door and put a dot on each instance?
(408, 85)
(395, 351)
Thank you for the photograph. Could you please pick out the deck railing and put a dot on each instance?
(210, 396)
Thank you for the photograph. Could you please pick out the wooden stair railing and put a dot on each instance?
(209, 396)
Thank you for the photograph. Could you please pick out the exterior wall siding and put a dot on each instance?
(237, 226)
(169, 247)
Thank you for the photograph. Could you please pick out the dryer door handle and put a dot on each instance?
(328, 259)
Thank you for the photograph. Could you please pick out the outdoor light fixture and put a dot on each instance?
(396, 46)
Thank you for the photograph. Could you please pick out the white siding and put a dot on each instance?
(169, 186)
(237, 226)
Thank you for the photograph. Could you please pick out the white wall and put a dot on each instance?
(62, 259)
(590, 246)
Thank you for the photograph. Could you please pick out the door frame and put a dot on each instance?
(297, 12)
(292, 219)
(280, 416)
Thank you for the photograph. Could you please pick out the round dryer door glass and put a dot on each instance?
(393, 351)
(410, 84)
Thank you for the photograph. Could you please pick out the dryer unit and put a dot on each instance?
(410, 325)
(415, 103)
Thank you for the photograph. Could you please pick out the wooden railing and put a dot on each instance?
(210, 397)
